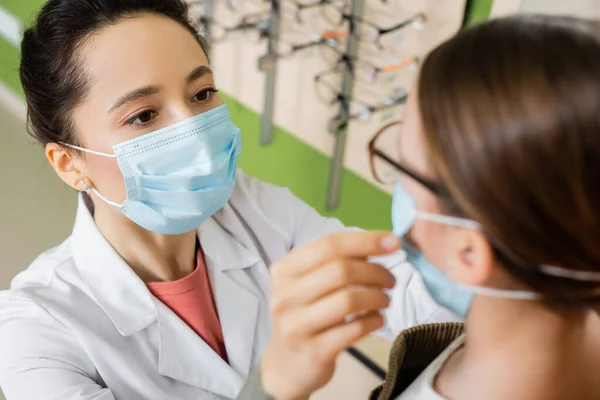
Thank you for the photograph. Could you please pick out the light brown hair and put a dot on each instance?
(511, 118)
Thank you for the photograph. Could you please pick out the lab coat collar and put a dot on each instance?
(114, 284)
(121, 294)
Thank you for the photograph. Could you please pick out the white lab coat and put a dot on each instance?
(79, 324)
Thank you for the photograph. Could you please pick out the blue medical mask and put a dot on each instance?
(179, 176)
(452, 295)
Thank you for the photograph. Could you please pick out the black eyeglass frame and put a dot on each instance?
(375, 152)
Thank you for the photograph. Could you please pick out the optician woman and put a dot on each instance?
(161, 291)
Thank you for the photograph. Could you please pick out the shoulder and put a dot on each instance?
(39, 311)
(48, 288)
(44, 269)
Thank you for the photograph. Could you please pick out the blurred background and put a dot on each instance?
(287, 92)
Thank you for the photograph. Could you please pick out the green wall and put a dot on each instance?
(298, 166)
(477, 11)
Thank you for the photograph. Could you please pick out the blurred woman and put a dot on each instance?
(498, 204)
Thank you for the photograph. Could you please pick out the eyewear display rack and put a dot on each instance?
(358, 23)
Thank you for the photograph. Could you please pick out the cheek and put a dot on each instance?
(431, 239)
(107, 177)
(428, 236)
(94, 133)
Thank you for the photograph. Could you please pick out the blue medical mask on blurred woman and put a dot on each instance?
(179, 176)
(455, 296)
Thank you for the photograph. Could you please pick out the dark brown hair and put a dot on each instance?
(51, 74)
(511, 116)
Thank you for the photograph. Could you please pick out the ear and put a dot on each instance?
(68, 166)
(472, 262)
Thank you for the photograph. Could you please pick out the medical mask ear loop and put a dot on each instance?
(559, 272)
(89, 151)
(552, 270)
(447, 220)
(490, 292)
(87, 189)
(508, 294)
(501, 293)
(525, 295)
(498, 293)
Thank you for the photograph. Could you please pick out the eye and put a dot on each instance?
(205, 95)
(142, 118)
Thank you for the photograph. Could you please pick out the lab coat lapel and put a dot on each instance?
(185, 357)
(238, 312)
(235, 293)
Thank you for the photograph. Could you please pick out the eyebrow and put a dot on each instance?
(198, 72)
(134, 95)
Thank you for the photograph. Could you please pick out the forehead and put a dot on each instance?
(149, 49)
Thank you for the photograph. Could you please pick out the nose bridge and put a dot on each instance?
(182, 110)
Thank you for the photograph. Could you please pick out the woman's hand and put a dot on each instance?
(324, 298)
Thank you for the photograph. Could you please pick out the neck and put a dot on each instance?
(153, 257)
(525, 349)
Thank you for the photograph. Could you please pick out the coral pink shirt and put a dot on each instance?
(192, 300)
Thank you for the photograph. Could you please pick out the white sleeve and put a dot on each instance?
(41, 360)
(309, 225)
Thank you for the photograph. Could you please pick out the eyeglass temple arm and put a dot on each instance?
(395, 100)
(402, 24)
(245, 24)
(306, 6)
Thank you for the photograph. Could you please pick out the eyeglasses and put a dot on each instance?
(369, 31)
(257, 24)
(327, 90)
(385, 167)
(327, 39)
(332, 10)
(367, 71)
(328, 8)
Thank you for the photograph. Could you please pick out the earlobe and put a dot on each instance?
(86, 185)
(67, 167)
